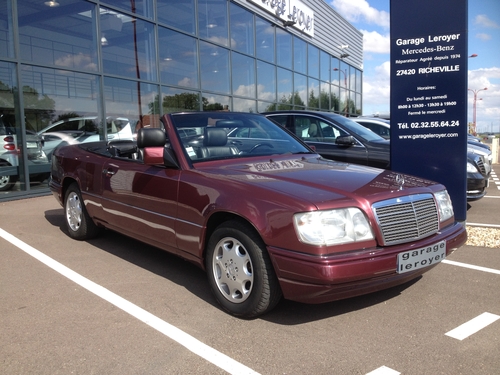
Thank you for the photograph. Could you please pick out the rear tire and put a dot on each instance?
(78, 222)
(240, 272)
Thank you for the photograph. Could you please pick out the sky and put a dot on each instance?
(372, 18)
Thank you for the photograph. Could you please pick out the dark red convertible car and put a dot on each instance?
(264, 214)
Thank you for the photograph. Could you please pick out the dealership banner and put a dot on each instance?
(429, 93)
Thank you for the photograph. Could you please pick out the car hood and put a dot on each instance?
(319, 181)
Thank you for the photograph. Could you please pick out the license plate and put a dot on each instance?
(412, 260)
(31, 145)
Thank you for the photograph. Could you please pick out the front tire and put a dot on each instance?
(78, 222)
(240, 272)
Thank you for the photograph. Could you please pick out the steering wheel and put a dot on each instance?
(260, 145)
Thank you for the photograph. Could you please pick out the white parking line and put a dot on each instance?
(384, 370)
(471, 266)
(189, 342)
(472, 326)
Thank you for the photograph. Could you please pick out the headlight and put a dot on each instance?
(332, 227)
(471, 168)
(444, 205)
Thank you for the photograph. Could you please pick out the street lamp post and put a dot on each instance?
(345, 84)
(475, 92)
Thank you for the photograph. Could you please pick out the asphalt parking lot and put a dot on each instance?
(115, 306)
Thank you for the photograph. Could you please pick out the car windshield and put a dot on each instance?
(357, 129)
(222, 135)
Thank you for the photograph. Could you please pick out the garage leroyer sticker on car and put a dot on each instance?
(414, 259)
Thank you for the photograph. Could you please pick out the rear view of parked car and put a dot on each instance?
(10, 153)
(82, 130)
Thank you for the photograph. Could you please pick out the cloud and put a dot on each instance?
(483, 36)
(483, 20)
(360, 10)
(375, 42)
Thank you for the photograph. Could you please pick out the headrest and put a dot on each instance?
(214, 137)
(151, 137)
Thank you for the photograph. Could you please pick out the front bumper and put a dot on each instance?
(476, 186)
(312, 279)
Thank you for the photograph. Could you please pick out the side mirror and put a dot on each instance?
(346, 140)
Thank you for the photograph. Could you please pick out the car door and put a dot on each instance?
(141, 200)
(325, 136)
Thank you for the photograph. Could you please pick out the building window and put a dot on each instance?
(243, 77)
(128, 47)
(212, 21)
(178, 14)
(214, 66)
(178, 59)
(264, 32)
(242, 30)
(45, 38)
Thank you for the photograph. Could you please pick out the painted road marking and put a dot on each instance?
(472, 326)
(189, 342)
(471, 266)
(384, 370)
(484, 225)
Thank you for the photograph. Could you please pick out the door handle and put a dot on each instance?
(108, 172)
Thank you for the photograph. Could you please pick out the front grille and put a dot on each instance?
(480, 166)
(406, 218)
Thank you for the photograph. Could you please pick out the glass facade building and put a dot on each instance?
(88, 69)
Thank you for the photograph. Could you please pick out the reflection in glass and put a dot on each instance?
(6, 36)
(283, 48)
(142, 8)
(212, 21)
(266, 81)
(178, 59)
(243, 75)
(133, 101)
(358, 81)
(128, 47)
(214, 68)
(335, 99)
(242, 30)
(45, 36)
(299, 55)
(335, 71)
(324, 66)
(213, 102)
(178, 14)
(176, 100)
(313, 93)
(285, 89)
(11, 165)
(324, 96)
(265, 106)
(244, 105)
(357, 106)
(313, 61)
(300, 90)
(344, 75)
(264, 31)
(51, 94)
(344, 102)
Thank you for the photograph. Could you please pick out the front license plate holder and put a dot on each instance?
(412, 260)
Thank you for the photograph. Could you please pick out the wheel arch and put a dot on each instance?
(218, 218)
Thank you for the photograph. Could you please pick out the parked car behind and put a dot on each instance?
(379, 126)
(336, 137)
(260, 211)
(9, 155)
(479, 157)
